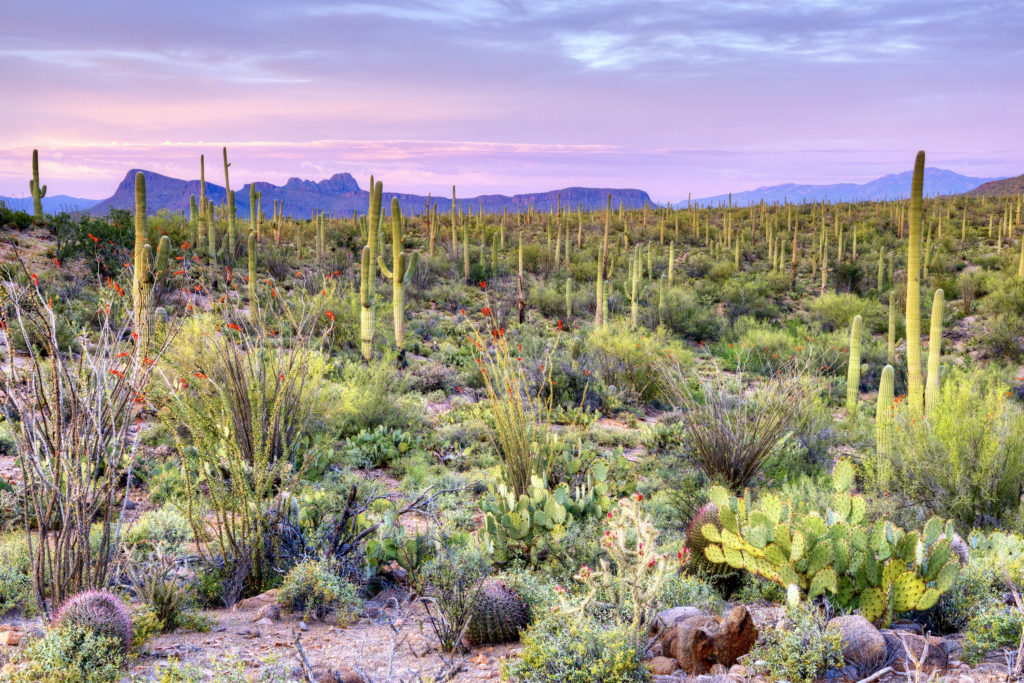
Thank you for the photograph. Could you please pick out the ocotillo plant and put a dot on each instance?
(38, 191)
(368, 274)
(915, 394)
(934, 352)
(403, 266)
(519, 283)
(853, 371)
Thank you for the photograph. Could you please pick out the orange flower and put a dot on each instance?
(330, 315)
(94, 238)
(234, 327)
(200, 375)
(116, 373)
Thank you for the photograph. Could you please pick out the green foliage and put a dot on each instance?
(166, 528)
(835, 311)
(994, 626)
(452, 581)
(802, 650)
(629, 358)
(313, 589)
(370, 395)
(965, 458)
(380, 447)
(71, 655)
(879, 569)
(972, 589)
(15, 589)
(687, 317)
(685, 589)
(583, 650)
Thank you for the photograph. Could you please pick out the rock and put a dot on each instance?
(700, 643)
(662, 666)
(256, 601)
(346, 674)
(738, 670)
(10, 638)
(674, 615)
(270, 612)
(863, 645)
(264, 622)
(302, 626)
(929, 652)
(908, 626)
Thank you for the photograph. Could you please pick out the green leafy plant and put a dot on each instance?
(879, 569)
(71, 653)
(993, 627)
(313, 589)
(801, 650)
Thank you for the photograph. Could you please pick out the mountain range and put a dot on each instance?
(937, 181)
(999, 188)
(54, 204)
(340, 195)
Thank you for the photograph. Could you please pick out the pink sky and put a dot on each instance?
(509, 95)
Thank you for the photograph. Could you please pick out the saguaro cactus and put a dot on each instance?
(368, 272)
(38, 191)
(568, 298)
(599, 317)
(634, 304)
(231, 209)
(146, 271)
(252, 274)
(915, 395)
(934, 352)
(853, 371)
(883, 412)
(403, 266)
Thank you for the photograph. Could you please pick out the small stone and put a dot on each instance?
(10, 638)
(738, 670)
(662, 666)
(264, 622)
(302, 626)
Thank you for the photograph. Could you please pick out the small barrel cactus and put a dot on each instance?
(98, 611)
(498, 614)
(696, 542)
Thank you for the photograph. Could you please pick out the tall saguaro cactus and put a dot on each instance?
(403, 266)
(146, 271)
(883, 412)
(853, 371)
(38, 191)
(931, 391)
(368, 272)
(231, 209)
(915, 393)
(599, 318)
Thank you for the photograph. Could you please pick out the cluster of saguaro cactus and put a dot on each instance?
(368, 272)
(402, 265)
(147, 271)
(38, 191)
(879, 569)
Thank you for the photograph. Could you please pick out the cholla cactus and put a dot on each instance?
(637, 570)
(98, 611)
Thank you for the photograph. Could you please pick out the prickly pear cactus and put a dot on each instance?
(498, 614)
(879, 569)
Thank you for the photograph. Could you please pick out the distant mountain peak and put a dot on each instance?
(937, 181)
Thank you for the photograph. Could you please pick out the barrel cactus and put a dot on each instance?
(696, 541)
(98, 611)
(498, 614)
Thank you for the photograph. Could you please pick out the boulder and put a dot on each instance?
(864, 647)
(256, 601)
(270, 612)
(908, 651)
(700, 643)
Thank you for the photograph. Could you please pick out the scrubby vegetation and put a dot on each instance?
(552, 426)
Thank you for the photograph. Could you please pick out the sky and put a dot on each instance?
(674, 97)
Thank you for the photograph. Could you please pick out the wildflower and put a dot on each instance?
(330, 315)
(200, 375)
(94, 238)
(116, 373)
(186, 245)
(234, 327)
(483, 285)
(486, 310)
(57, 261)
(123, 354)
(179, 272)
(35, 279)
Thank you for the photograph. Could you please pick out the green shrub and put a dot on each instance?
(955, 608)
(802, 650)
(451, 581)
(993, 627)
(629, 358)
(314, 590)
(583, 650)
(71, 655)
(370, 395)
(15, 590)
(166, 528)
(965, 458)
(835, 311)
(687, 317)
(682, 589)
